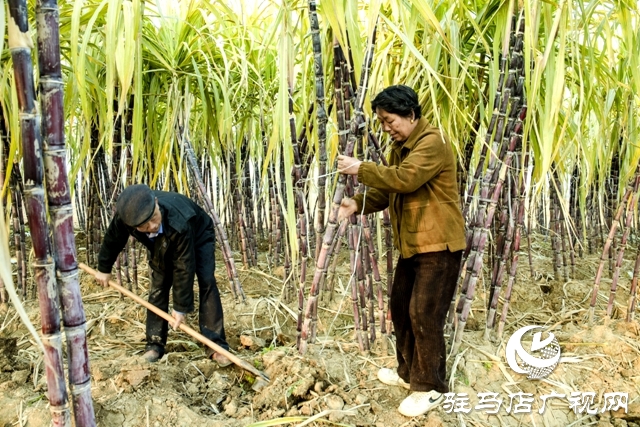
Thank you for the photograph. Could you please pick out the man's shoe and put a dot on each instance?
(151, 356)
(390, 377)
(420, 402)
(221, 359)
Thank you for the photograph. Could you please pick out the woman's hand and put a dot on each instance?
(347, 208)
(348, 165)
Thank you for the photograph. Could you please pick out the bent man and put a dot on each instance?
(180, 239)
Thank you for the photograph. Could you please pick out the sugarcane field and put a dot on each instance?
(380, 213)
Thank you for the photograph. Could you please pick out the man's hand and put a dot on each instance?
(347, 208)
(348, 165)
(178, 319)
(103, 278)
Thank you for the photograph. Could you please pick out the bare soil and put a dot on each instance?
(333, 383)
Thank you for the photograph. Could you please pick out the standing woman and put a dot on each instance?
(420, 189)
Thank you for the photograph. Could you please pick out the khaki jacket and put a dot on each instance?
(420, 189)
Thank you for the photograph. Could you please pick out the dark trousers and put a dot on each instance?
(210, 312)
(423, 286)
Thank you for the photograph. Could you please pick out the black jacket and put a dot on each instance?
(185, 227)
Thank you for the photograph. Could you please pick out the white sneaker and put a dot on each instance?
(420, 402)
(390, 377)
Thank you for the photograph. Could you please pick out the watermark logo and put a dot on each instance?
(542, 358)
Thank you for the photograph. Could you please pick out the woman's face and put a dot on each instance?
(398, 127)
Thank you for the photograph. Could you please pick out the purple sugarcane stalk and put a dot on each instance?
(474, 263)
(515, 253)
(357, 123)
(372, 275)
(631, 307)
(501, 268)
(321, 115)
(623, 244)
(301, 223)
(488, 139)
(334, 249)
(221, 235)
(61, 210)
(614, 226)
(19, 236)
(20, 45)
(388, 242)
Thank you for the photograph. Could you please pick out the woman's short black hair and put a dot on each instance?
(398, 99)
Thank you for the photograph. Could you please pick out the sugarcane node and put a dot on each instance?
(194, 334)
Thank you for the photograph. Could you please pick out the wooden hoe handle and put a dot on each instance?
(206, 341)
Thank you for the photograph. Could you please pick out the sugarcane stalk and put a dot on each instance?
(124, 255)
(117, 154)
(563, 245)
(96, 220)
(386, 225)
(630, 208)
(554, 233)
(61, 210)
(515, 252)
(88, 227)
(372, 277)
(360, 281)
(321, 116)
(631, 306)
(631, 188)
(572, 253)
(353, 281)
(612, 184)
(273, 237)
(334, 249)
(499, 117)
(576, 213)
(375, 150)
(118, 269)
(249, 217)
(589, 220)
(221, 235)
(598, 221)
(477, 233)
(501, 266)
(17, 222)
(18, 237)
(357, 124)
(366, 297)
(20, 45)
(245, 243)
(613, 250)
(560, 232)
(134, 263)
(480, 236)
(301, 223)
(239, 212)
(488, 138)
(284, 242)
(499, 231)
(338, 95)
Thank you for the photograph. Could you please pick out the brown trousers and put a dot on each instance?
(423, 286)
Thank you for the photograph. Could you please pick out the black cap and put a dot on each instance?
(136, 205)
